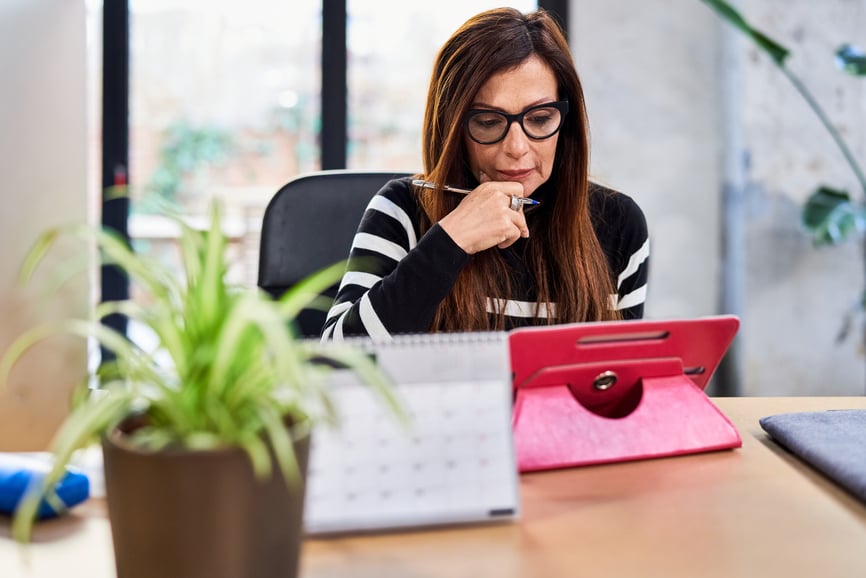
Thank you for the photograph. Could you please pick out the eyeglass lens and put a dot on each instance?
(537, 122)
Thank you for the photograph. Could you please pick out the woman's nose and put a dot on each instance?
(516, 143)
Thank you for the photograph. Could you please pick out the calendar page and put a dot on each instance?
(454, 461)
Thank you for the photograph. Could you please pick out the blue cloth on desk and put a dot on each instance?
(833, 442)
(19, 471)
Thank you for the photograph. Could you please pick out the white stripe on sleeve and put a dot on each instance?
(634, 263)
(636, 297)
(378, 245)
(520, 308)
(371, 320)
(386, 206)
(365, 280)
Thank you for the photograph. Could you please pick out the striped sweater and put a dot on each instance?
(397, 278)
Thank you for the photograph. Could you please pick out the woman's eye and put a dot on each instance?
(487, 121)
(540, 119)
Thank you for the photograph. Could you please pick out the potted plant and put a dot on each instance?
(205, 437)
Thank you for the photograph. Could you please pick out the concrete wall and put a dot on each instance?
(42, 183)
(673, 95)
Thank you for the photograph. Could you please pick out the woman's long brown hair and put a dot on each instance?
(566, 260)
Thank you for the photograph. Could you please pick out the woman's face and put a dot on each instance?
(517, 157)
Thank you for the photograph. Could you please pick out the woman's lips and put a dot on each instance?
(515, 175)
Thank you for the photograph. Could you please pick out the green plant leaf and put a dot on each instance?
(211, 285)
(281, 443)
(730, 14)
(80, 327)
(309, 290)
(113, 251)
(851, 59)
(831, 217)
(75, 433)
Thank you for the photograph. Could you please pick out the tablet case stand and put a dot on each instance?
(593, 393)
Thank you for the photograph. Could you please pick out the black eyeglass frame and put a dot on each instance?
(560, 105)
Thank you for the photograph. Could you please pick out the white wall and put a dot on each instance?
(651, 89)
(43, 145)
(656, 80)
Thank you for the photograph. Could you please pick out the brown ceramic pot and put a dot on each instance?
(191, 514)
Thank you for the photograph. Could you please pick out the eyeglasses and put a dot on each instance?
(538, 122)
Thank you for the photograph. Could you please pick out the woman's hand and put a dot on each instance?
(484, 218)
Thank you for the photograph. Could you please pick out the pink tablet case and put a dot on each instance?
(592, 393)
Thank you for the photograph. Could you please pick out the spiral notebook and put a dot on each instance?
(454, 464)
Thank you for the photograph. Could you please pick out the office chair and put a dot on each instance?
(308, 225)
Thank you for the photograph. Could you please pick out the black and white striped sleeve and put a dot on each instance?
(394, 281)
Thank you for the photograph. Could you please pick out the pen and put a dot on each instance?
(429, 185)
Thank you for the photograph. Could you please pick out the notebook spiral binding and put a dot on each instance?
(416, 357)
(424, 339)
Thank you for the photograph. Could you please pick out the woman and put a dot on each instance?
(505, 121)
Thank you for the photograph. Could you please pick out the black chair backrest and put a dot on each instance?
(308, 225)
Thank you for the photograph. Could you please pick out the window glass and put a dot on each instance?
(392, 44)
(224, 101)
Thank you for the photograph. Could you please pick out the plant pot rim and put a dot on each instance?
(120, 439)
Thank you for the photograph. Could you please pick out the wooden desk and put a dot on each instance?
(751, 512)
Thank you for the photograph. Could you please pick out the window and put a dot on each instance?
(224, 102)
(391, 45)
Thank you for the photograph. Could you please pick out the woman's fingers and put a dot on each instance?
(484, 218)
(512, 190)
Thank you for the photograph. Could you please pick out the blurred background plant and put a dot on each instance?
(185, 151)
(831, 214)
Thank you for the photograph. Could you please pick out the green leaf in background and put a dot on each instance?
(830, 216)
(775, 50)
(851, 59)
